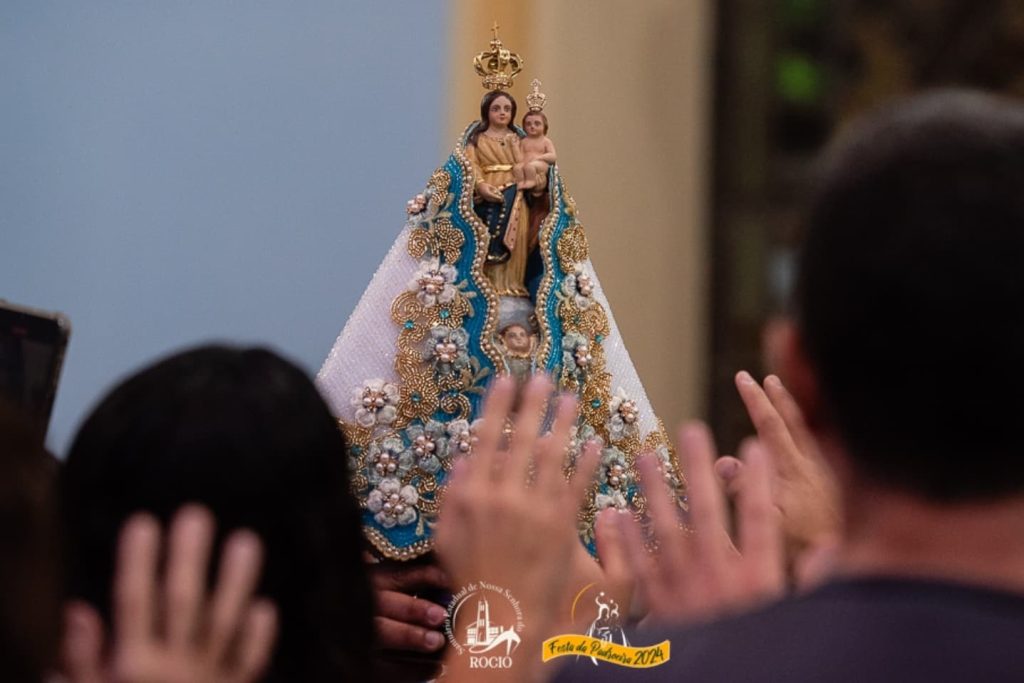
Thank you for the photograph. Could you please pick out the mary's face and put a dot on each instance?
(500, 113)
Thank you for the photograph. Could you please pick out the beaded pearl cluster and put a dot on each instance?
(628, 411)
(385, 464)
(445, 351)
(582, 355)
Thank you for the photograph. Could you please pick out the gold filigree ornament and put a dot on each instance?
(572, 247)
(591, 321)
(418, 392)
(457, 405)
(439, 238)
(432, 230)
(438, 185)
(359, 482)
(498, 66)
(452, 313)
(430, 505)
(356, 434)
(416, 319)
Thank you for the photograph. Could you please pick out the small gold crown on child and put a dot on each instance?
(536, 100)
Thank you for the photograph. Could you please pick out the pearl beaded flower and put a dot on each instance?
(579, 285)
(447, 349)
(434, 282)
(387, 458)
(393, 503)
(461, 437)
(416, 205)
(375, 403)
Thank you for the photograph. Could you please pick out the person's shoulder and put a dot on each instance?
(865, 629)
(873, 628)
(857, 603)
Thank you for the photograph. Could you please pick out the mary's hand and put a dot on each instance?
(489, 192)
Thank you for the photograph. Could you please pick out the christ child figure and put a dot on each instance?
(537, 153)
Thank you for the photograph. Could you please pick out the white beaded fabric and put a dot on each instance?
(365, 349)
(618, 362)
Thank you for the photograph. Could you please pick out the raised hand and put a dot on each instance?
(509, 517)
(804, 489)
(175, 632)
(697, 572)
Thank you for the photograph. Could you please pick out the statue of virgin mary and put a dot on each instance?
(485, 279)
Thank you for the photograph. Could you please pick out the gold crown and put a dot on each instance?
(498, 66)
(536, 100)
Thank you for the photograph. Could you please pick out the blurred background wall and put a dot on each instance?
(174, 172)
(788, 75)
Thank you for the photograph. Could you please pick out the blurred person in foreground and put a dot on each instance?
(29, 552)
(904, 356)
(245, 434)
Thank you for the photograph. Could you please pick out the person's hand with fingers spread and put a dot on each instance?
(698, 573)
(513, 525)
(175, 632)
(804, 489)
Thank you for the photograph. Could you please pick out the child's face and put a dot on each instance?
(534, 126)
(517, 339)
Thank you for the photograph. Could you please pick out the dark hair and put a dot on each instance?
(29, 552)
(910, 290)
(485, 108)
(542, 115)
(245, 433)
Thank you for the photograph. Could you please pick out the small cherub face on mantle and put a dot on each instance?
(518, 341)
(518, 346)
